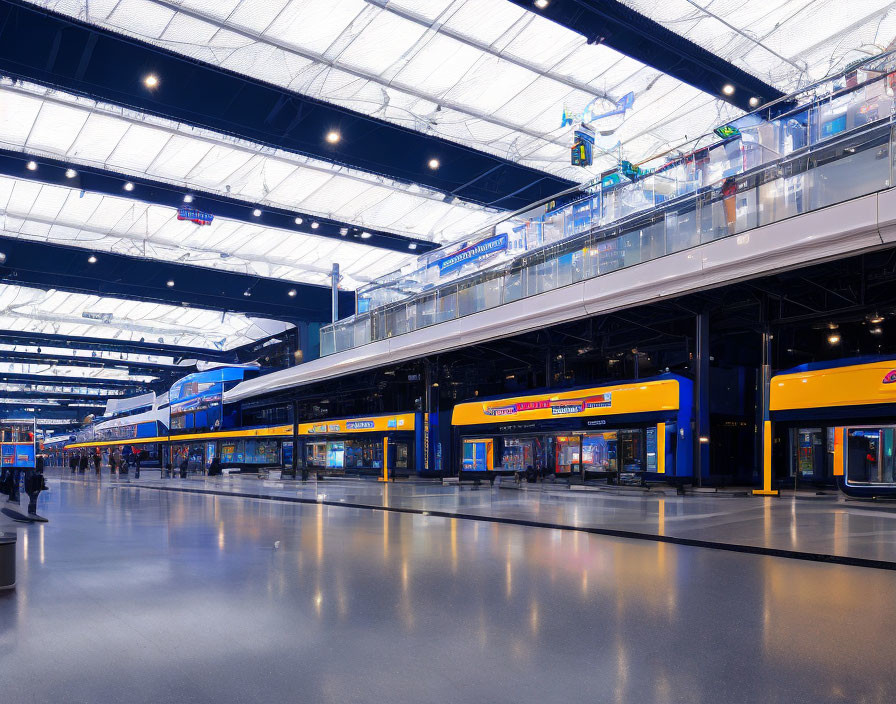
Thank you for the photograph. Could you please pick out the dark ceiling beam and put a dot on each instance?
(44, 265)
(201, 94)
(146, 190)
(611, 23)
(160, 370)
(57, 396)
(14, 337)
(90, 382)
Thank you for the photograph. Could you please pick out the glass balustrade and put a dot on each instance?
(836, 150)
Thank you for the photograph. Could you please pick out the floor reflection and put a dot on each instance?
(200, 598)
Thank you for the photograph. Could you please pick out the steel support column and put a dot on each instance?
(701, 414)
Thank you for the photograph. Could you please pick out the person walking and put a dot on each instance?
(97, 461)
(82, 463)
(73, 462)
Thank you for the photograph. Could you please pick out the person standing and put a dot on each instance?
(82, 463)
(73, 462)
(97, 461)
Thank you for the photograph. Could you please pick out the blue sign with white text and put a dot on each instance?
(485, 248)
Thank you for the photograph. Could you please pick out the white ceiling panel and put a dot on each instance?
(451, 68)
(76, 315)
(788, 44)
(109, 137)
(100, 223)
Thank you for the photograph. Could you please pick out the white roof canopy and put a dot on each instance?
(74, 372)
(77, 354)
(485, 73)
(41, 121)
(76, 315)
(788, 44)
(59, 389)
(99, 223)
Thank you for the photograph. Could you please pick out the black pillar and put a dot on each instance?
(701, 398)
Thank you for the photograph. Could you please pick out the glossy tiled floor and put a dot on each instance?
(138, 595)
(824, 525)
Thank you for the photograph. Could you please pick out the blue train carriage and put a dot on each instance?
(126, 438)
(833, 424)
(385, 445)
(202, 427)
(635, 431)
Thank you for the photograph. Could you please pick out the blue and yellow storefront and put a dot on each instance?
(833, 424)
(640, 429)
(386, 445)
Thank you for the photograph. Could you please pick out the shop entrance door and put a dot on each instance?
(809, 462)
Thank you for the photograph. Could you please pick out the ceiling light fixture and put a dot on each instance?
(754, 101)
(188, 198)
(170, 283)
(151, 81)
(298, 221)
(247, 293)
(129, 186)
(291, 293)
(333, 137)
(876, 330)
(31, 166)
(412, 245)
(876, 318)
(256, 213)
(541, 4)
(833, 339)
(434, 164)
(728, 89)
(315, 225)
(92, 259)
(366, 235)
(70, 173)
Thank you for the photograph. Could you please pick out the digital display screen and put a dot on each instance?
(336, 455)
(835, 126)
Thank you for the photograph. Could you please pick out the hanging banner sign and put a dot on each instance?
(193, 215)
(480, 250)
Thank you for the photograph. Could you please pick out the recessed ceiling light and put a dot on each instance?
(412, 245)
(31, 166)
(188, 198)
(315, 225)
(343, 230)
(754, 101)
(70, 173)
(433, 164)
(129, 186)
(92, 259)
(366, 235)
(151, 80)
(291, 293)
(833, 339)
(876, 330)
(728, 89)
(170, 283)
(333, 137)
(876, 318)
(298, 221)
(247, 293)
(256, 213)
(541, 4)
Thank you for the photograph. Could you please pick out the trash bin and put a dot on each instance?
(7, 560)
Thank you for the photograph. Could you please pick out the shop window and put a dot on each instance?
(869, 456)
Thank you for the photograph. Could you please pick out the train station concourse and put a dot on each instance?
(359, 351)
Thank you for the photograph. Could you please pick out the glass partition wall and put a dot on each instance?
(837, 148)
